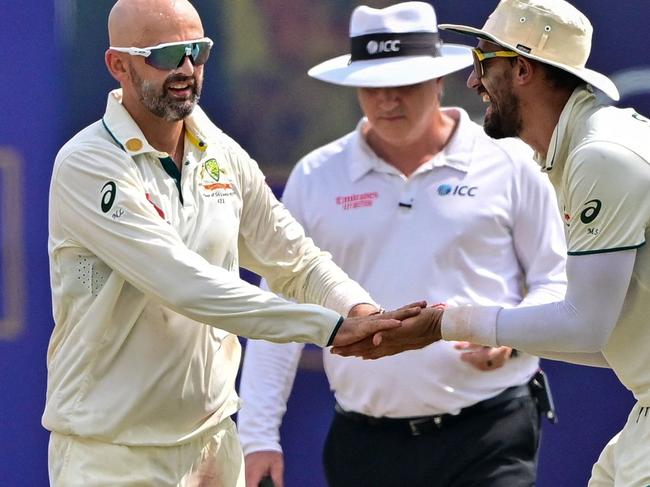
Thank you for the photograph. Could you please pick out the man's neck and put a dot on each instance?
(169, 138)
(540, 116)
(407, 156)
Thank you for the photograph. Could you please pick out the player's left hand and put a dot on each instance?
(482, 357)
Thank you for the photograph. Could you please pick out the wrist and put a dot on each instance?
(476, 324)
(434, 332)
(363, 309)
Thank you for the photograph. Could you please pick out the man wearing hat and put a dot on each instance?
(416, 202)
(530, 67)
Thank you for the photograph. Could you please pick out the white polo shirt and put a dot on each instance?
(476, 224)
(143, 256)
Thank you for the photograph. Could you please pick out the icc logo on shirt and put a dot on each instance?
(447, 189)
(12, 264)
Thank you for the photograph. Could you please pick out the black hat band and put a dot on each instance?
(377, 46)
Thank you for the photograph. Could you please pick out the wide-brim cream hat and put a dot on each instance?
(394, 46)
(550, 31)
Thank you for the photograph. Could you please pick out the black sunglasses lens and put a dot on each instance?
(166, 58)
(171, 57)
(200, 52)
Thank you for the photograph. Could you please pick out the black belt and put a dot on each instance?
(426, 424)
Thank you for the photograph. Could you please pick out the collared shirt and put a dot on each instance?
(599, 162)
(143, 256)
(475, 224)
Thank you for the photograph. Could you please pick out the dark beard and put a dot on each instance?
(504, 121)
(160, 103)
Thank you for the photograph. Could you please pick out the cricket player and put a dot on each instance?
(152, 210)
(530, 68)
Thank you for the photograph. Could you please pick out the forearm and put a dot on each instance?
(346, 296)
(268, 373)
(582, 322)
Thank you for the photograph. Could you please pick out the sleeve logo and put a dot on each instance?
(108, 196)
(591, 211)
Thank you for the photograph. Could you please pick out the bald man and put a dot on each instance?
(152, 211)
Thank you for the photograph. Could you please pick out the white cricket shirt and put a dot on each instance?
(143, 256)
(599, 163)
(476, 224)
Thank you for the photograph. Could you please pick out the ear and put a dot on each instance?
(524, 70)
(116, 65)
(440, 86)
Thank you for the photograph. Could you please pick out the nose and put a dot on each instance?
(472, 80)
(187, 67)
(387, 97)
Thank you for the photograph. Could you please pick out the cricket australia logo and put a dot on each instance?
(212, 168)
(214, 182)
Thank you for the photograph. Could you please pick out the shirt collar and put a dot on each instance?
(456, 154)
(581, 100)
(362, 158)
(126, 133)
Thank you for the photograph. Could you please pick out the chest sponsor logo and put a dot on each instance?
(449, 190)
(359, 200)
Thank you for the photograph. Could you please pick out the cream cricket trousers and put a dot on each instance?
(625, 461)
(212, 460)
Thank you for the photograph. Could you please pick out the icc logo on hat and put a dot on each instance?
(375, 47)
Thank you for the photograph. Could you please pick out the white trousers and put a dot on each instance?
(625, 461)
(213, 460)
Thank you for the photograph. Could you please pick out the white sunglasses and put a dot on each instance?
(171, 55)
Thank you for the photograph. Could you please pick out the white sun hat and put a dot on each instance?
(550, 31)
(394, 46)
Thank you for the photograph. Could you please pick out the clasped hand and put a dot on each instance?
(409, 328)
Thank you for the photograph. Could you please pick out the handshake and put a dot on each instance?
(370, 334)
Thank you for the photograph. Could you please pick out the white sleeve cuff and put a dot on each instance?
(475, 324)
(343, 297)
(254, 446)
